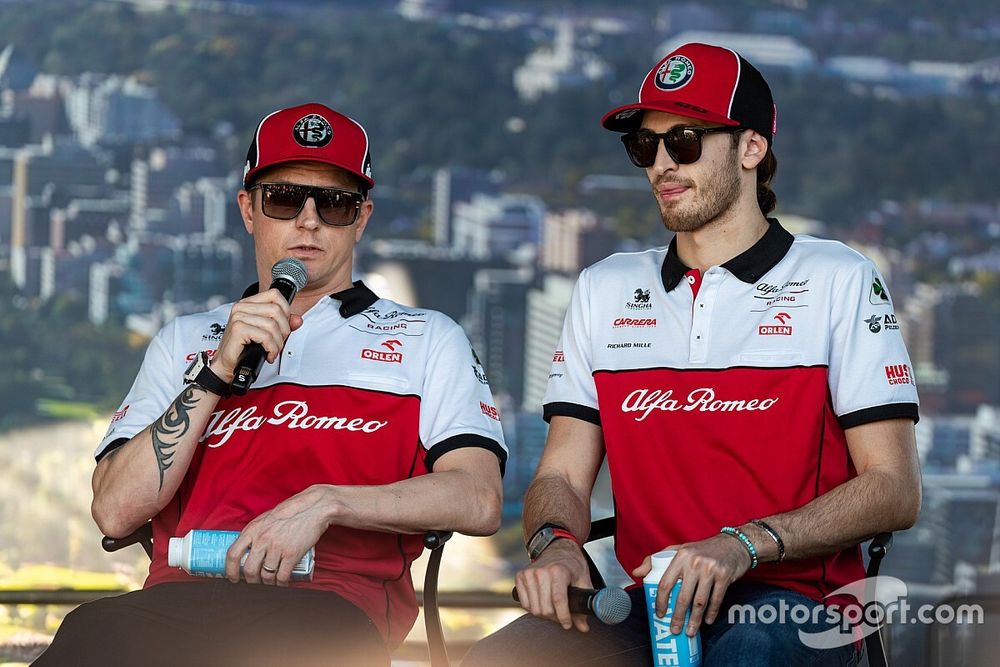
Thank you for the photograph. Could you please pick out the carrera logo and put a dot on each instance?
(558, 357)
(703, 399)
(378, 355)
(490, 411)
(290, 414)
(634, 322)
(898, 374)
(190, 357)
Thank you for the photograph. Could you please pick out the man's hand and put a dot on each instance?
(279, 538)
(264, 318)
(706, 569)
(542, 587)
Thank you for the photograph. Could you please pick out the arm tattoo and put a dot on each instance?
(170, 428)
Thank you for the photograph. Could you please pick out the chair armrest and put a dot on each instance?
(435, 539)
(142, 535)
(877, 550)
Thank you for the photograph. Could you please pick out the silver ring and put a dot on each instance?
(271, 570)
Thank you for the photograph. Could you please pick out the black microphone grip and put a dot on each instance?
(610, 605)
(579, 599)
(254, 355)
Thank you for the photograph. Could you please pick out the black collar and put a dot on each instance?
(353, 300)
(749, 266)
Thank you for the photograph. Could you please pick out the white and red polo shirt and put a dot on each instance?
(723, 396)
(366, 391)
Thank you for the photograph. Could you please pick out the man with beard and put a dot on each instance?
(752, 419)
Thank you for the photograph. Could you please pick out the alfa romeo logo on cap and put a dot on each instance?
(312, 131)
(674, 73)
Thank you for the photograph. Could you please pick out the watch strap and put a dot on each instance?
(209, 381)
(546, 535)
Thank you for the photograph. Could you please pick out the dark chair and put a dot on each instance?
(433, 540)
(873, 654)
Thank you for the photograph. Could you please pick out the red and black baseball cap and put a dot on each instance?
(706, 82)
(310, 133)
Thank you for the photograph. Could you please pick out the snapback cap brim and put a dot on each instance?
(312, 157)
(631, 122)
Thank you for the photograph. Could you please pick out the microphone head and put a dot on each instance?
(292, 270)
(612, 605)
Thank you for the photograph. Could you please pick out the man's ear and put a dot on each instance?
(754, 149)
(367, 206)
(245, 201)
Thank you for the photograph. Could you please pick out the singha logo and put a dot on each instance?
(641, 296)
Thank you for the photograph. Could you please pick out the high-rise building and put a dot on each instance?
(573, 240)
(115, 109)
(495, 324)
(546, 308)
(498, 226)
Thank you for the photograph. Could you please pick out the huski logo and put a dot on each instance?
(701, 400)
(290, 414)
(898, 374)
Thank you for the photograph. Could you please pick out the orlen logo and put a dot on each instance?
(635, 322)
(701, 400)
(490, 411)
(118, 416)
(899, 374)
(390, 357)
(378, 355)
(781, 329)
(558, 357)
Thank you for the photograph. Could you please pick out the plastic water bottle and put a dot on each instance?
(202, 553)
(668, 649)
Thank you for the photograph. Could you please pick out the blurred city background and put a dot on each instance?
(123, 130)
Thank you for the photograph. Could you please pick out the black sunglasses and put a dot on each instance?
(683, 143)
(284, 201)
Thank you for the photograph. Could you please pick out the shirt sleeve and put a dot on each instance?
(871, 377)
(155, 387)
(456, 406)
(571, 391)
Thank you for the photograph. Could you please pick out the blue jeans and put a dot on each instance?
(534, 642)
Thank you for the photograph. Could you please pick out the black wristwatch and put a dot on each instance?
(546, 535)
(200, 374)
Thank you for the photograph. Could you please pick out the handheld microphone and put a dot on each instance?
(288, 276)
(611, 606)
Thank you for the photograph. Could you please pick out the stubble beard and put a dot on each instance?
(717, 195)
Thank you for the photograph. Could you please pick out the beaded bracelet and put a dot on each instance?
(774, 536)
(741, 536)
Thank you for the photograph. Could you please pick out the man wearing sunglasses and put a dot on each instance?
(752, 419)
(371, 423)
